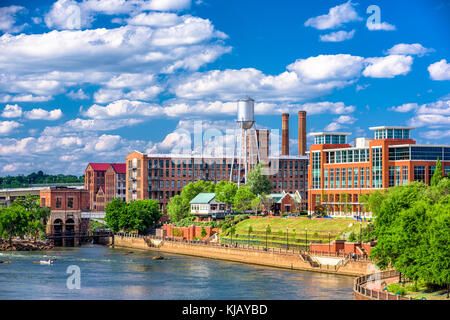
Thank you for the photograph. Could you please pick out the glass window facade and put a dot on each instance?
(377, 176)
(391, 176)
(355, 178)
(419, 173)
(338, 178)
(405, 175)
(343, 178)
(447, 171)
(426, 153)
(316, 169)
(347, 156)
(330, 139)
(325, 178)
(349, 177)
(361, 177)
(331, 178)
(392, 133)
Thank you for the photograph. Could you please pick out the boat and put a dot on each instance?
(44, 261)
(5, 261)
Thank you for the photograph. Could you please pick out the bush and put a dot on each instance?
(352, 237)
(396, 288)
(177, 233)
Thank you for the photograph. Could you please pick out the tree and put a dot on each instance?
(267, 202)
(36, 215)
(255, 205)
(203, 232)
(225, 192)
(140, 215)
(114, 210)
(176, 209)
(242, 199)
(189, 192)
(437, 176)
(257, 182)
(13, 222)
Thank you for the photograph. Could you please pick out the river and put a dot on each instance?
(107, 273)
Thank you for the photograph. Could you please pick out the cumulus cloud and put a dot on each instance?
(340, 123)
(336, 17)
(433, 114)
(337, 36)
(380, 26)
(8, 19)
(78, 95)
(41, 114)
(7, 127)
(12, 111)
(406, 107)
(388, 67)
(410, 49)
(439, 70)
(160, 19)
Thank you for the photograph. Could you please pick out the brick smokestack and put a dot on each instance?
(285, 134)
(302, 133)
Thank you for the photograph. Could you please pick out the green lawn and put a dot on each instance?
(313, 225)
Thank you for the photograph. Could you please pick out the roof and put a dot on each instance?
(119, 168)
(203, 198)
(330, 133)
(277, 197)
(99, 166)
(390, 127)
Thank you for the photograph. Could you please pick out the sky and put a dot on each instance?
(92, 80)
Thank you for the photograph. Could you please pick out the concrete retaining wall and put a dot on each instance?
(271, 259)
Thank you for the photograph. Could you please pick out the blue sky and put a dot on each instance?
(90, 80)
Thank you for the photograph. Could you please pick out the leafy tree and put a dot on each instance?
(194, 188)
(13, 222)
(140, 215)
(243, 198)
(257, 182)
(437, 176)
(267, 202)
(176, 209)
(36, 215)
(225, 192)
(203, 232)
(256, 205)
(114, 210)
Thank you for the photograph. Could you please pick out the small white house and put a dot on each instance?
(204, 204)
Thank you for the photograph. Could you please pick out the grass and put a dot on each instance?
(313, 225)
(417, 292)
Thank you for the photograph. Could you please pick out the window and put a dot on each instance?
(447, 171)
(70, 202)
(405, 175)
(43, 202)
(349, 177)
(377, 177)
(355, 178)
(343, 177)
(58, 203)
(391, 176)
(338, 178)
(331, 178)
(361, 177)
(397, 176)
(419, 173)
(431, 170)
(325, 176)
(316, 169)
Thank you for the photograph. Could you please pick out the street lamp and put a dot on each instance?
(306, 229)
(266, 235)
(329, 243)
(287, 239)
(360, 231)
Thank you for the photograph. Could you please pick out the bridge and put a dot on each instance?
(7, 196)
(70, 238)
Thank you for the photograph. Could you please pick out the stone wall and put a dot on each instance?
(258, 257)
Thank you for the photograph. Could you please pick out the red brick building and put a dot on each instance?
(105, 181)
(339, 173)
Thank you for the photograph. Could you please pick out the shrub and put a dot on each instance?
(352, 237)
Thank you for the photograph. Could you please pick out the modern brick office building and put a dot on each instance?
(162, 176)
(339, 173)
(104, 181)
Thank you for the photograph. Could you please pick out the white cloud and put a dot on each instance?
(78, 95)
(388, 67)
(436, 134)
(336, 17)
(439, 70)
(7, 127)
(337, 36)
(41, 114)
(406, 107)
(380, 26)
(8, 19)
(167, 5)
(410, 49)
(12, 111)
(65, 14)
(123, 109)
(160, 19)
(434, 114)
(340, 123)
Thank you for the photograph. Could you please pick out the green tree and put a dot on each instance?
(36, 215)
(13, 222)
(176, 209)
(114, 210)
(141, 215)
(437, 176)
(257, 182)
(225, 192)
(242, 199)
(255, 205)
(203, 233)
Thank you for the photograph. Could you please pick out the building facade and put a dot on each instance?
(66, 206)
(103, 181)
(340, 173)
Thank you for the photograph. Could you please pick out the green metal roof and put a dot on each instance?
(277, 197)
(202, 198)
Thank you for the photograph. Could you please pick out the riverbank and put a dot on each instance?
(277, 259)
(24, 245)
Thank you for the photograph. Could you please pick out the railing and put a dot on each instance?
(360, 288)
(244, 247)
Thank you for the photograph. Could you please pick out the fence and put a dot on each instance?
(360, 288)
(242, 246)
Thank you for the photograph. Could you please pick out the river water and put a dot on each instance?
(107, 273)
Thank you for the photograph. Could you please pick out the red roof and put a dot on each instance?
(99, 166)
(119, 168)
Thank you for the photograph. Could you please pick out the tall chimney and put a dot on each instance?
(302, 133)
(285, 134)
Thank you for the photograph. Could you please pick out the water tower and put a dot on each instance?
(246, 137)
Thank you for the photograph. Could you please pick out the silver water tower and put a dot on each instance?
(248, 152)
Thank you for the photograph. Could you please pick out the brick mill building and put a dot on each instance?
(162, 176)
(340, 173)
(104, 181)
